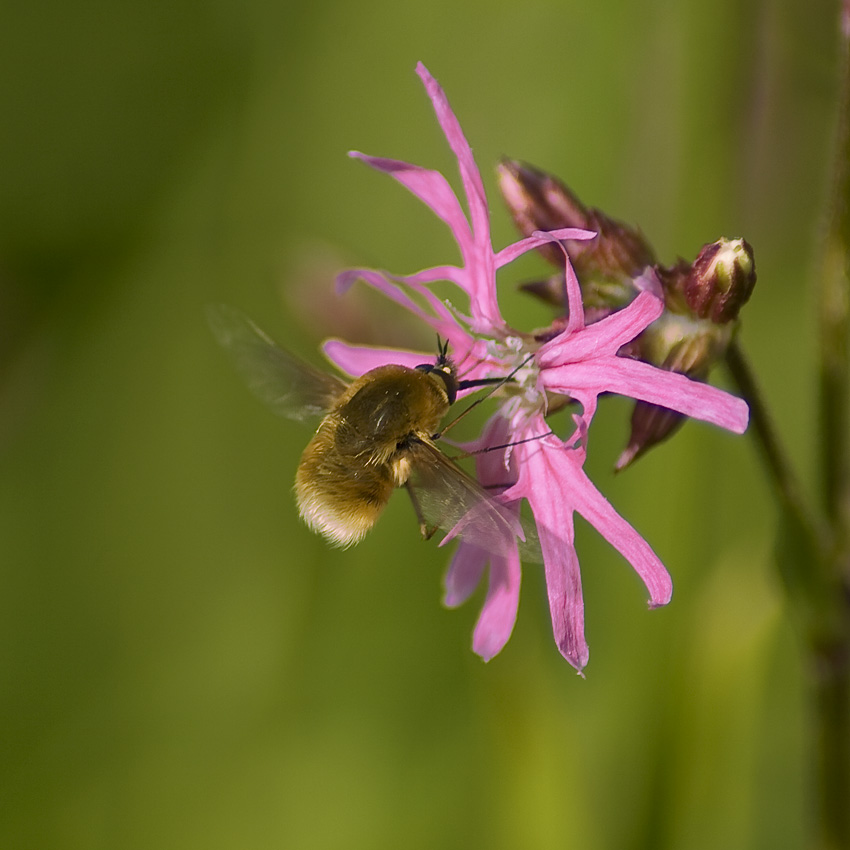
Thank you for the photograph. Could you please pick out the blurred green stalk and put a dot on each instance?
(813, 552)
(831, 662)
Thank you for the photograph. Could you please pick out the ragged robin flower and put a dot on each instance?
(572, 362)
(702, 299)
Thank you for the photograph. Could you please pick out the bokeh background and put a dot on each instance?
(182, 664)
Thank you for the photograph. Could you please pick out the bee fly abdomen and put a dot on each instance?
(339, 495)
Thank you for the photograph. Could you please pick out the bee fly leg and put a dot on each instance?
(426, 532)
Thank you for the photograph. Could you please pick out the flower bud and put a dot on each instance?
(539, 201)
(650, 425)
(721, 280)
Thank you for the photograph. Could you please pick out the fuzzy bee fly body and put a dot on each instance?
(364, 447)
(376, 433)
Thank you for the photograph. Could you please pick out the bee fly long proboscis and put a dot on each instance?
(496, 383)
(376, 433)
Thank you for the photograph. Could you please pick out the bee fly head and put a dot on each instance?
(444, 368)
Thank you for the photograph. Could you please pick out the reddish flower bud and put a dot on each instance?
(721, 280)
(539, 201)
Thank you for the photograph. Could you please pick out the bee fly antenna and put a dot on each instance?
(442, 349)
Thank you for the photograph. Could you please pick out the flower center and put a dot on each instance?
(523, 394)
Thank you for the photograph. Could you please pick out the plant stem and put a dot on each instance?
(832, 742)
(831, 660)
(814, 560)
(775, 458)
(818, 599)
(834, 322)
(814, 556)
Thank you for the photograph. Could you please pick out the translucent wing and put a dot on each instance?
(445, 497)
(287, 384)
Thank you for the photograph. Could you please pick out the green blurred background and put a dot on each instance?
(182, 664)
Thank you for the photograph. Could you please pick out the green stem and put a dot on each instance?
(785, 484)
(818, 599)
(831, 659)
(834, 326)
(814, 558)
(831, 718)
(815, 561)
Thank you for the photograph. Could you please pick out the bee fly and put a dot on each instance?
(376, 433)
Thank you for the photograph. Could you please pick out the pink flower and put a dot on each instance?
(573, 360)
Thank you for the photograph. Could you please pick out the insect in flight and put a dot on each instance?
(376, 433)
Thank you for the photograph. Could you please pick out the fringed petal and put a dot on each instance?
(498, 615)
(597, 510)
(516, 249)
(605, 337)
(431, 188)
(640, 380)
(356, 360)
(465, 571)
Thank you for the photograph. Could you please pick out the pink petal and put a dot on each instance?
(649, 281)
(478, 521)
(465, 571)
(382, 282)
(643, 381)
(575, 306)
(498, 615)
(560, 561)
(479, 260)
(437, 273)
(597, 510)
(431, 188)
(566, 604)
(471, 177)
(517, 249)
(481, 287)
(358, 359)
(490, 466)
(545, 480)
(605, 337)
(419, 280)
(442, 319)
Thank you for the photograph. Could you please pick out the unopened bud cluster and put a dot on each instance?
(702, 299)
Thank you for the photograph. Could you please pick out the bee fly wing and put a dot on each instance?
(445, 497)
(288, 385)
